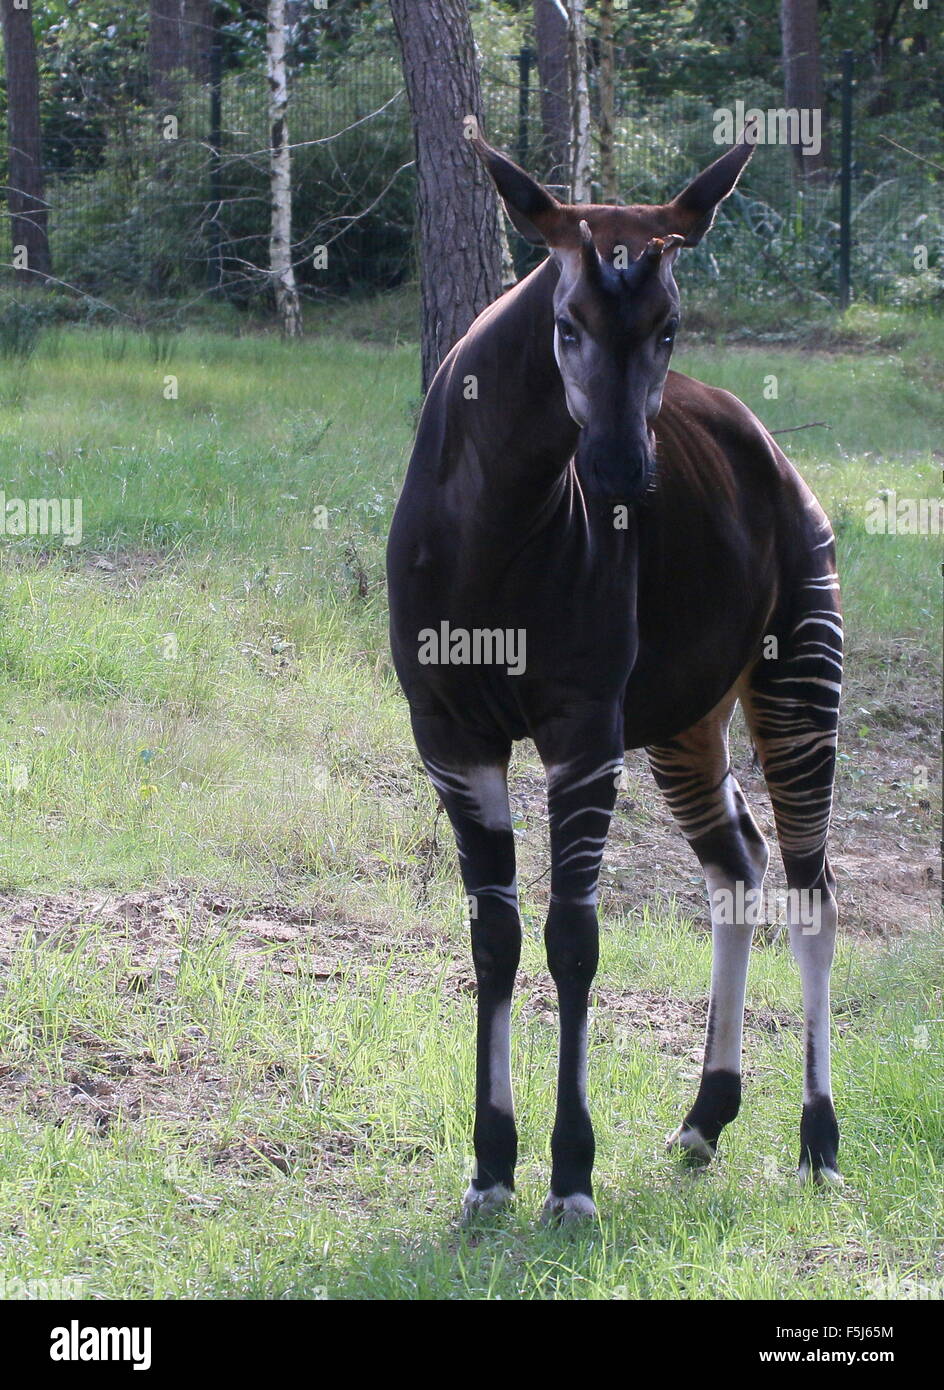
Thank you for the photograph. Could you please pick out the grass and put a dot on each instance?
(316, 1136)
(237, 1022)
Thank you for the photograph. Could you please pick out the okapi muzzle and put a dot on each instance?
(720, 589)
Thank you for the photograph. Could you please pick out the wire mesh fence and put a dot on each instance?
(175, 204)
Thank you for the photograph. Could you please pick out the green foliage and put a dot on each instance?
(132, 215)
(140, 221)
(20, 327)
(353, 189)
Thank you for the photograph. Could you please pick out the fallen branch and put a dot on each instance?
(813, 425)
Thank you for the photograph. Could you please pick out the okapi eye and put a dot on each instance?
(566, 331)
(670, 330)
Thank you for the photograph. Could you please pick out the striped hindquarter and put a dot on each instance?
(790, 698)
(792, 708)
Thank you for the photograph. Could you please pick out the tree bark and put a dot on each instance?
(802, 72)
(197, 26)
(457, 209)
(180, 36)
(165, 51)
(287, 302)
(580, 163)
(607, 124)
(550, 35)
(28, 216)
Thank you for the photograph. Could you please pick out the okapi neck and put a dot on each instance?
(501, 397)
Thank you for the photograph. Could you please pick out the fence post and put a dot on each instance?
(215, 259)
(845, 185)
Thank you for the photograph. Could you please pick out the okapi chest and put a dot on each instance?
(600, 554)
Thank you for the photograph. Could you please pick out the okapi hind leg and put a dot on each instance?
(472, 781)
(792, 708)
(694, 774)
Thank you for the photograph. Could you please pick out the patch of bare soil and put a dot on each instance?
(127, 570)
(101, 1080)
(143, 936)
(124, 570)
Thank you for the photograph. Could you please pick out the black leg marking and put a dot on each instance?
(819, 1140)
(571, 937)
(716, 1105)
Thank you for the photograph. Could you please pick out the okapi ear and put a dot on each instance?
(534, 212)
(693, 210)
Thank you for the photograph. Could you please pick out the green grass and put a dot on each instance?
(198, 704)
(316, 1137)
(258, 438)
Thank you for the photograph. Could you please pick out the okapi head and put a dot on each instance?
(616, 306)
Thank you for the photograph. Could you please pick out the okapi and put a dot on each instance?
(664, 560)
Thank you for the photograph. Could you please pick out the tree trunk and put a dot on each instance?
(882, 102)
(580, 166)
(457, 209)
(165, 51)
(550, 34)
(280, 176)
(607, 105)
(197, 26)
(180, 36)
(802, 74)
(28, 218)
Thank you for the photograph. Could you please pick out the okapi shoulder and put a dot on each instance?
(691, 407)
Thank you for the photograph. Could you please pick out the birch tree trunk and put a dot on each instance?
(580, 166)
(287, 303)
(607, 105)
(25, 197)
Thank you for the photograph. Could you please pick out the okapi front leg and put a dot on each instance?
(476, 800)
(581, 796)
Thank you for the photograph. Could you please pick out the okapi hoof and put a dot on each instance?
(484, 1202)
(568, 1211)
(690, 1145)
(819, 1143)
(822, 1176)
